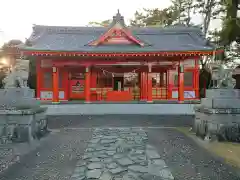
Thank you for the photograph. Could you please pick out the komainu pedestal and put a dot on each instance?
(218, 116)
(22, 119)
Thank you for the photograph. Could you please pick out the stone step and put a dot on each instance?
(116, 109)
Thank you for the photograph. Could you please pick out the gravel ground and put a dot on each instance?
(186, 159)
(53, 160)
(57, 157)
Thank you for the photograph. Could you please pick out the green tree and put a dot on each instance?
(153, 17)
(231, 23)
(209, 10)
(10, 48)
(103, 23)
(138, 20)
(182, 9)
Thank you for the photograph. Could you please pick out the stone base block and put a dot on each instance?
(17, 92)
(222, 93)
(19, 127)
(221, 103)
(223, 126)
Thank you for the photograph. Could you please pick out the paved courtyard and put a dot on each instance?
(119, 153)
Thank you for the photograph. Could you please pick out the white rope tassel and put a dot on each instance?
(116, 74)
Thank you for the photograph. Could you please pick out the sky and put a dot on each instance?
(18, 16)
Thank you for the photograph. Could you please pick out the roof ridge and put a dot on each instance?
(74, 29)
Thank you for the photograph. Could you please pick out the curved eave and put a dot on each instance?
(118, 54)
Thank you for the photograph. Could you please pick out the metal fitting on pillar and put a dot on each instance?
(54, 69)
(181, 68)
(149, 67)
(87, 69)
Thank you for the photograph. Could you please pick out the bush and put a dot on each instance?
(2, 76)
(204, 81)
(32, 77)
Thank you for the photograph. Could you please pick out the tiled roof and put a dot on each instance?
(76, 39)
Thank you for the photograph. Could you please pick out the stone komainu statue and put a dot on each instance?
(18, 75)
(221, 77)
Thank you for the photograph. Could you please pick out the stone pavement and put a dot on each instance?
(119, 153)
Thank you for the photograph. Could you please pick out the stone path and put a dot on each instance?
(121, 153)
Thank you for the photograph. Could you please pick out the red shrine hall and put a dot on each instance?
(117, 63)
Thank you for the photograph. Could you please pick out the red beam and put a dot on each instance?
(84, 62)
(119, 54)
(89, 62)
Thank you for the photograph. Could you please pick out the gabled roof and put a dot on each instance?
(93, 39)
(117, 34)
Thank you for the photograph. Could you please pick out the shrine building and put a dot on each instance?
(117, 63)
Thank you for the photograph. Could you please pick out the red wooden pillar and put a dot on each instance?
(39, 74)
(141, 86)
(149, 85)
(87, 84)
(145, 86)
(66, 83)
(180, 82)
(170, 84)
(196, 78)
(55, 85)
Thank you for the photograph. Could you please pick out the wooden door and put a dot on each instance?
(77, 86)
